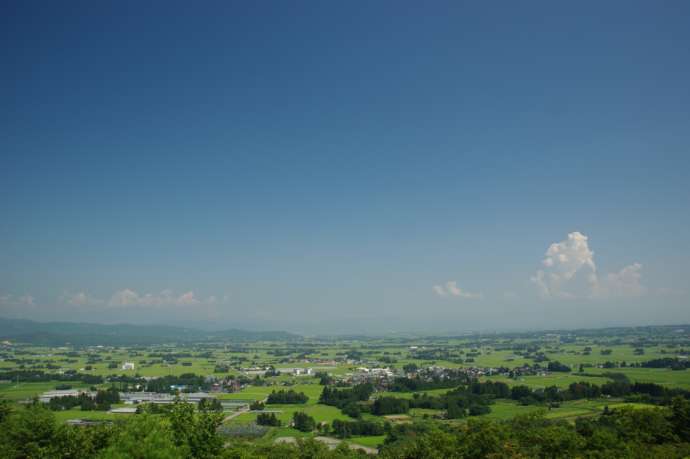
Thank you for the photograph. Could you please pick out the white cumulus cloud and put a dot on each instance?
(625, 282)
(569, 271)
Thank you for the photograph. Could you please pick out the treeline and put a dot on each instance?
(181, 432)
(286, 397)
(184, 433)
(672, 363)
(101, 401)
(667, 362)
(619, 387)
(644, 392)
(390, 405)
(268, 419)
(405, 384)
(470, 400)
(190, 381)
(475, 398)
(42, 376)
(346, 429)
(340, 397)
(558, 367)
(624, 433)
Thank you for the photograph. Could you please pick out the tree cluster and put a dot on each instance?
(342, 397)
(191, 382)
(346, 429)
(268, 419)
(303, 422)
(101, 401)
(286, 397)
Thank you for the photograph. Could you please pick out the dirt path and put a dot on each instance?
(246, 410)
(236, 413)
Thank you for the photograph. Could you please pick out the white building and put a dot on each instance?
(131, 398)
(128, 366)
(123, 410)
(301, 371)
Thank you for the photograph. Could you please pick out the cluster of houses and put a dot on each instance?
(479, 372)
(383, 377)
(378, 377)
(224, 385)
(297, 371)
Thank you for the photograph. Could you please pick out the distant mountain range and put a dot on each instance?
(87, 334)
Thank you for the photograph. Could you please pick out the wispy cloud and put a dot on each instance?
(451, 289)
(670, 291)
(626, 282)
(130, 298)
(80, 299)
(13, 300)
(510, 296)
(439, 290)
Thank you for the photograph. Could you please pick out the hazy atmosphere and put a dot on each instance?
(352, 168)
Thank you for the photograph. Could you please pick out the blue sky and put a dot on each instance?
(323, 167)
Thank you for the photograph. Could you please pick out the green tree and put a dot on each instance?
(196, 431)
(145, 437)
(210, 404)
(75, 442)
(680, 418)
(28, 432)
(5, 409)
(483, 438)
(257, 405)
(267, 419)
(303, 422)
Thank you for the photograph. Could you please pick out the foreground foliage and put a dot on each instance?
(183, 432)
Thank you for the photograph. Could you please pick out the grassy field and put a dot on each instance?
(504, 409)
(321, 413)
(89, 415)
(394, 352)
(663, 376)
(561, 380)
(432, 392)
(250, 393)
(371, 442)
